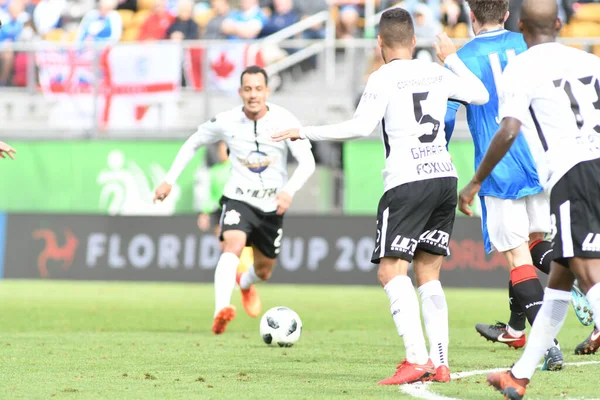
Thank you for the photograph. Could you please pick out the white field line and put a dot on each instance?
(421, 390)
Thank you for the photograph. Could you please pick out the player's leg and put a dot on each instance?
(236, 225)
(575, 216)
(508, 228)
(266, 243)
(401, 216)
(432, 248)
(546, 327)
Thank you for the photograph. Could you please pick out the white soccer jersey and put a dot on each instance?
(554, 90)
(408, 99)
(259, 165)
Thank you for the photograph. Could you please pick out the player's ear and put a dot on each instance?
(240, 92)
(414, 44)
(521, 26)
(379, 41)
(558, 25)
(472, 16)
(506, 16)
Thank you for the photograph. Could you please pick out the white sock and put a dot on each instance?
(435, 316)
(404, 306)
(547, 324)
(513, 332)
(593, 297)
(225, 280)
(249, 278)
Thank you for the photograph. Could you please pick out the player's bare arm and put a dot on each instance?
(499, 146)
(6, 150)
(292, 134)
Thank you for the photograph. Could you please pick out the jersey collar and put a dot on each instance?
(491, 33)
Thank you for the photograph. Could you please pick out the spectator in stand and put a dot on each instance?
(12, 27)
(350, 12)
(434, 5)
(184, 27)
(246, 23)
(156, 25)
(426, 28)
(454, 12)
(127, 5)
(214, 28)
(306, 8)
(101, 25)
(47, 15)
(283, 16)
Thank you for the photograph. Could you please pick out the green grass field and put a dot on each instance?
(81, 340)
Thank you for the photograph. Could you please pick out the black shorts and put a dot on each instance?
(575, 213)
(416, 215)
(264, 230)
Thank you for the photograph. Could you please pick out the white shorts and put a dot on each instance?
(507, 223)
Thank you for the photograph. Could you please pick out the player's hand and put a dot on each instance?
(284, 201)
(204, 222)
(162, 192)
(445, 47)
(466, 196)
(6, 150)
(292, 134)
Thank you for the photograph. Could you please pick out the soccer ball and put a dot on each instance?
(280, 326)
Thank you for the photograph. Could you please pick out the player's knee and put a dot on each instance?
(263, 271)
(391, 268)
(234, 247)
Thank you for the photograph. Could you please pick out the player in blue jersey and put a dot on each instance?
(515, 209)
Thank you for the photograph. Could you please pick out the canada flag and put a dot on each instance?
(225, 65)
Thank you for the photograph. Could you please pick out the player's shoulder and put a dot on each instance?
(280, 111)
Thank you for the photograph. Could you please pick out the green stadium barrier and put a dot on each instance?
(364, 160)
(95, 177)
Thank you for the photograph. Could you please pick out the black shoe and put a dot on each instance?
(498, 333)
(589, 345)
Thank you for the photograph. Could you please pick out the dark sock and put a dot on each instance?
(517, 316)
(528, 290)
(541, 254)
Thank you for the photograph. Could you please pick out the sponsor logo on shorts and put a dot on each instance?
(256, 193)
(591, 242)
(434, 168)
(404, 244)
(435, 238)
(232, 217)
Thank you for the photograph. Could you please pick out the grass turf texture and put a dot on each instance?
(82, 340)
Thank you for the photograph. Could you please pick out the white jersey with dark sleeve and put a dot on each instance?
(259, 165)
(408, 100)
(554, 91)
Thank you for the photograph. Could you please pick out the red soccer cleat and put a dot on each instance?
(442, 374)
(410, 373)
(223, 317)
(510, 387)
(250, 299)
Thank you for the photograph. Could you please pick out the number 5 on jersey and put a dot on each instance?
(418, 98)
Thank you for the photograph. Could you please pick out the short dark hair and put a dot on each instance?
(489, 11)
(396, 28)
(254, 69)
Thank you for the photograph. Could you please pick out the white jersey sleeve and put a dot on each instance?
(368, 115)
(463, 84)
(513, 97)
(301, 150)
(209, 132)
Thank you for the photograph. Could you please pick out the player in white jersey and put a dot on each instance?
(6, 150)
(551, 93)
(258, 193)
(415, 217)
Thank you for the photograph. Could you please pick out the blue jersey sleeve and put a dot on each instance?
(450, 120)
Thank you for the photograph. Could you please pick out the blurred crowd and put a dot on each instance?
(111, 21)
